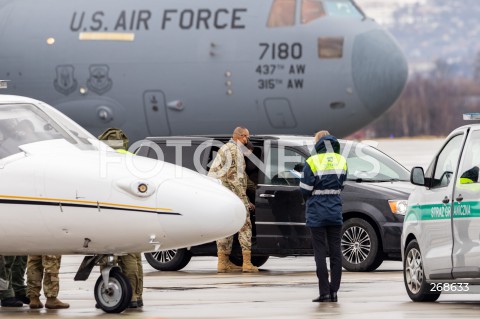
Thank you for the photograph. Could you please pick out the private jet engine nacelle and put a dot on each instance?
(65, 192)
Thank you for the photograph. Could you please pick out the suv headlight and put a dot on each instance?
(398, 206)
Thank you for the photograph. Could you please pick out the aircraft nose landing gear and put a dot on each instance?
(113, 291)
(113, 295)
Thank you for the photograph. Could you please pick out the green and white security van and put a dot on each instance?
(441, 231)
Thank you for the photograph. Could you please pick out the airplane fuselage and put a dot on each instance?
(64, 192)
(199, 67)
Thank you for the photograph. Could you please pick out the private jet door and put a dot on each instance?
(156, 113)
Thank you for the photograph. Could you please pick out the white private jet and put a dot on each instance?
(64, 192)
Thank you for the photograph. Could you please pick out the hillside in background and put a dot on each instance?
(441, 40)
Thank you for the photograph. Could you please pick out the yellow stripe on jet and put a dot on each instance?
(55, 200)
(106, 36)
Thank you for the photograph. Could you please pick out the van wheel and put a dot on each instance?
(361, 249)
(414, 277)
(169, 260)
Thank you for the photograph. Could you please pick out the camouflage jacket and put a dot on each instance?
(229, 167)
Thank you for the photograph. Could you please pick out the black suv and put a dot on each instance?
(374, 199)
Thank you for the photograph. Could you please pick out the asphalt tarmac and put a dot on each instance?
(283, 288)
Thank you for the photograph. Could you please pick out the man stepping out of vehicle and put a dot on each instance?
(229, 167)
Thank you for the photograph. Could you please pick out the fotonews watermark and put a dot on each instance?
(269, 158)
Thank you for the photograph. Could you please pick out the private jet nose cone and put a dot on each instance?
(205, 211)
(379, 70)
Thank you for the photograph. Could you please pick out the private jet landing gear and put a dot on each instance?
(113, 291)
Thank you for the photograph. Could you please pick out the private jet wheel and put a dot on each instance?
(116, 297)
(414, 277)
(257, 261)
(361, 249)
(169, 260)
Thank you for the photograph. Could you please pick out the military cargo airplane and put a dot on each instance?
(64, 192)
(175, 67)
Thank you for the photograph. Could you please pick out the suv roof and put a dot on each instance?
(292, 140)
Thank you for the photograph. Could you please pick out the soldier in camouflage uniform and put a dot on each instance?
(44, 269)
(130, 264)
(229, 167)
(3, 275)
(15, 294)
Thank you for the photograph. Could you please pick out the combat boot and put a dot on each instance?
(247, 264)
(35, 303)
(54, 303)
(225, 265)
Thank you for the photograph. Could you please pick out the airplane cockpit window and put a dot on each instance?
(22, 124)
(315, 9)
(81, 136)
(342, 8)
(312, 10)
(282, 14)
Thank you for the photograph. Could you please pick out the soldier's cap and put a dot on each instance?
(115, 138)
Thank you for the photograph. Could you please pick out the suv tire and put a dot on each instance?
(361, 249)
(169, 260)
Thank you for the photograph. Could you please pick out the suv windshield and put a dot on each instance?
(367, 164)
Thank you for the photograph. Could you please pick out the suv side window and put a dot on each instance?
(284, 166)
(447, 162)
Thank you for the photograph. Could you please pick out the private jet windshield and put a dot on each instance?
(26, 123)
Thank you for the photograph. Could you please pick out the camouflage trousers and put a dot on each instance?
(14, 272)
(224, 245)
(131, 265)
(43, 269)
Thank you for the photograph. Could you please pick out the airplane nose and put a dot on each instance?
(379, 70)
(206, 211)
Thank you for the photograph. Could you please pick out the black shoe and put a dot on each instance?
(333, 297)
(140, 303)
(133, 304)
(23, 299)
(322, 298)
(11, 302)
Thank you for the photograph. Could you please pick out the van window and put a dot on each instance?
(284, 167)
(447, 162)
(469, 170)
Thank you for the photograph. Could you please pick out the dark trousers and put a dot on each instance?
(15, 273)
(320, 237)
